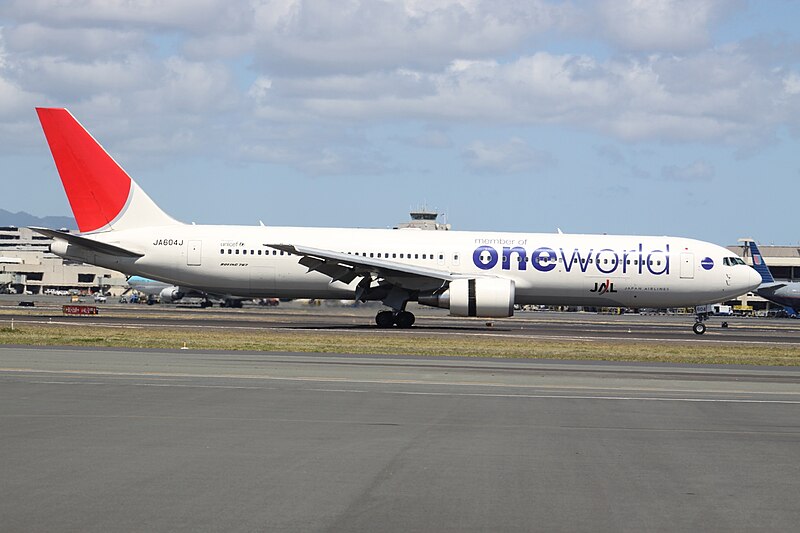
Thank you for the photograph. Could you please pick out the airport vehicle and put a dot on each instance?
(785, 293)
(474, 274)
(168, 293)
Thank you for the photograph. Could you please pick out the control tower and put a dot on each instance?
(425, 219)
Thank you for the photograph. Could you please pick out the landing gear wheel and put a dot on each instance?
(699, 328)
(404, 319)
(384, 319)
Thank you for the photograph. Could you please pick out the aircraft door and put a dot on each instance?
(194, 253)
(687, 266)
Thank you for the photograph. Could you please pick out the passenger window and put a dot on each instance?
(424, 256)
(237, 251)
(230, 251)
(394, 256)
(379, 254)
(416, 256)
(221, 251)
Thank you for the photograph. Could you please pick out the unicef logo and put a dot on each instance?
(707, 263)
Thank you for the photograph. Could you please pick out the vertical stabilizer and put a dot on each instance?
(759, 264)
(101, 194)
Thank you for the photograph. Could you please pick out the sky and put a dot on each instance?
(647, 117)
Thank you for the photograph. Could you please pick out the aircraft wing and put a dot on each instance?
(347, 267)
(771, 287)
(89, 244)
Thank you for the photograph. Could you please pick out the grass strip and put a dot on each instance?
(391, 344)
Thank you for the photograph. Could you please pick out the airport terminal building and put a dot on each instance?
(28, 267)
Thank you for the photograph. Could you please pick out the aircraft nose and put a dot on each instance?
(753, 279)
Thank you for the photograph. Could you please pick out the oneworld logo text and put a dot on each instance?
(604, 260)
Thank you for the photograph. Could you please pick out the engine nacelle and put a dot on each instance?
(170, 294)
(483, 297)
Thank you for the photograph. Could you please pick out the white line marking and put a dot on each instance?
(464, 394)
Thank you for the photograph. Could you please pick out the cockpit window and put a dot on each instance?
(733, 261)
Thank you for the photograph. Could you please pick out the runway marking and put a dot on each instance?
(432, 393)
(781, 432)
(595, 397)
(319, 379)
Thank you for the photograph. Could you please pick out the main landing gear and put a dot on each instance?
(402, 319)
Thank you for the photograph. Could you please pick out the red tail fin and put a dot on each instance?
(97, 187)
(100, 192)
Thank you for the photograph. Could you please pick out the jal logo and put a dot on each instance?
(602, 288)
(707, 263)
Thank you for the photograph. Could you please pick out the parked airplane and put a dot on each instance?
(783, 293)
(476, 274)
(168, 293)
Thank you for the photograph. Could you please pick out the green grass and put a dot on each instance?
(376, 342)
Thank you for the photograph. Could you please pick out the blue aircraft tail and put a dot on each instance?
(760, 265)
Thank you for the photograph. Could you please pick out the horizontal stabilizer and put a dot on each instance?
(89, 244)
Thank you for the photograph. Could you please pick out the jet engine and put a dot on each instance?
(169, 295)
(482, 297)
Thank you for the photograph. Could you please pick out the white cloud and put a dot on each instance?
(698, 171)
(659, 25)
(514, 156)
(357, 36)
(31, 39)
(184, 15)
(289, 69)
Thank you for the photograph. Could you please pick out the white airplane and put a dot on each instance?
(474, 274)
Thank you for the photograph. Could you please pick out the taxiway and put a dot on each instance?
(124, 440)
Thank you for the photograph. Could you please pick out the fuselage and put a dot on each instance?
(551, 269)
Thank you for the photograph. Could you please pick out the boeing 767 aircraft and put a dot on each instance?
(475, 274)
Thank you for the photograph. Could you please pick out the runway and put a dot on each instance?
(122, 440)
(525, 324)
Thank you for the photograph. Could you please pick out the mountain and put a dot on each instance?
(22, 219)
